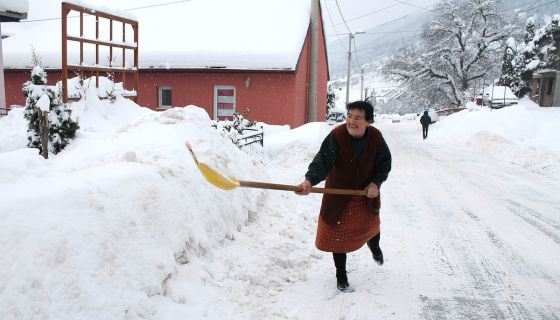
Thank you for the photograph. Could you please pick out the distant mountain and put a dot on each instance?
(377, 43)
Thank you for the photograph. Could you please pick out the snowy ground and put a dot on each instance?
(122, 225)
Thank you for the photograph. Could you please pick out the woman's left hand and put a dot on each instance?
(372, 190)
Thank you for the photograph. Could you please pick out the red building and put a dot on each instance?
(265, 63)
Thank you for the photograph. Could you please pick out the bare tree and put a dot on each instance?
(460, 45)
(36, 59)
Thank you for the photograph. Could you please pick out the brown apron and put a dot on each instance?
(357, 225)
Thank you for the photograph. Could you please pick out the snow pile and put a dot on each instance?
(523, 134)
(95, 231)
(293, 145)
(107, 88)
(13, 130)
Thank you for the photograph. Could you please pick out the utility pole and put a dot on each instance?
(313, 57)
(350, 37)
(362, 85)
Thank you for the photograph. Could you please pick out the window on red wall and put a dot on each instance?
(164, 95)
(224, 102)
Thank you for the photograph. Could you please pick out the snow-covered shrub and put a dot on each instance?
(239, 130)
(62, 127)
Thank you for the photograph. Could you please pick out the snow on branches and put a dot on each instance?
(537, 50)
(457, 47)
(41, 97)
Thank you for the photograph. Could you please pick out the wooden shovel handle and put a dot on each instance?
(287, 187)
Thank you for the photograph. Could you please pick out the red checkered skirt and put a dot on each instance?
(356, 226)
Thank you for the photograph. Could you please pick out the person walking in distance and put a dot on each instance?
(425, 120)
(353, 156)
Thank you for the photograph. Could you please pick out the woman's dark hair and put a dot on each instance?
(362, 105)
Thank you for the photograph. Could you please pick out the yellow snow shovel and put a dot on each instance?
(219, 180)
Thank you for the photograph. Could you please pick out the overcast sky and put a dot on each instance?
(366, 14)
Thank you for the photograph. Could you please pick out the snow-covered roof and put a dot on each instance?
(13, 10)
(10, 29)
(498, 92)
(231, 34)
(16, 6)
(545, 72)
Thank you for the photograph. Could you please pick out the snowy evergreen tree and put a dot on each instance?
(530, 28)
(538, 51)
(62, 127)
(545, 44)
(459, 46)
(509, 76)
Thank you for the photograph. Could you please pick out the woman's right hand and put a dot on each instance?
(305, 188)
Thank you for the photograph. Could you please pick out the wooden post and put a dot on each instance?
(111, 39)
(65, 12)
(123, 54)
(66, 9)
(43, 118)
(135, 28)
(96, 51)
(81, 35)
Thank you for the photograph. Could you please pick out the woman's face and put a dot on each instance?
(356, 122)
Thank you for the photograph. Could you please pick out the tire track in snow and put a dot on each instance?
(487, 277)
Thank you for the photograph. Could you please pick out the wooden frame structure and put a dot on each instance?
(66, 8)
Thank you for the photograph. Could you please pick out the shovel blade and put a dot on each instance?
(217, 179)
(213, 176)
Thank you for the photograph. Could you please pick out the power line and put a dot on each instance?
(342, 16)
(368, 14)
(532, 6)
(330, 17)
(379, 32)
(135, 8)
(158, 5)
(384, 44)
(412, 5)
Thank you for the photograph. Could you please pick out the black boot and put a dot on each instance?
(342, 280)
(376, 253)
(378, 258)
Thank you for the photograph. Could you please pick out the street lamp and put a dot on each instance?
(350, 37)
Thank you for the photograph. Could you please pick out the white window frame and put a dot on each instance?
(160, 104)
(216, 88)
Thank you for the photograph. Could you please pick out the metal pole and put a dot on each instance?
(492, 95)
(313, 58)
(350, 35)
(362, 85)
(483, 87)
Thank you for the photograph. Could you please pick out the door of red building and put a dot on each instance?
(224, 102)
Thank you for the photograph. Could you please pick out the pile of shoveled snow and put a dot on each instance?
(96, 230)
(524, 134)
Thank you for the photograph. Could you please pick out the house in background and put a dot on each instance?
(386, 98)
(223, 55)
(12, 11)
(546, 88)
(546, 82)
